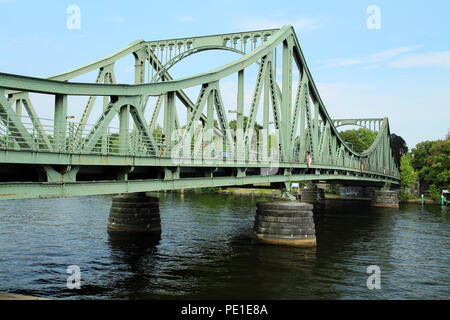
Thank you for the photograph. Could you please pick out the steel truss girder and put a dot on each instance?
(319, 136)
(31, 111)
(112, 109)
(14, 125)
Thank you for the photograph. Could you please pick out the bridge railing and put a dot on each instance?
(136, 144)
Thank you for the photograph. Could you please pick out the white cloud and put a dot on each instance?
(429, 59)
(371, 67)
(115, 19)
(264, 23)
(370, 59)
(186, 18)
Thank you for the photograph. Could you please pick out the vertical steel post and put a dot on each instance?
(265, 138)
(386, 149)
(104, 140)
(302, 105)
(139, 69)
(124, 119)
(240, 118)
(169, 120)
(316, 130)
(208, 134)
(60, 122)
(19, 108)
(286, 100)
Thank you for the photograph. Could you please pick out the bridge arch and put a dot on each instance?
(188, 53)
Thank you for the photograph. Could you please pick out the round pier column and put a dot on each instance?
(313, 195)
(286, 223)
(134, 213)
(385, 199)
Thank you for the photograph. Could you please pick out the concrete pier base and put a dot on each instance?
(286, 223)
(134, 214)
(385, 199)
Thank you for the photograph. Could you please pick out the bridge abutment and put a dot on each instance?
(286, 223)
(134, 214)
(385, 199)
(313, 195)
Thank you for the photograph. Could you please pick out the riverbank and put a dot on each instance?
(276, 193)
(331, 196)
(416, 201)
(251, 192)
(12, 296)
(262, 192)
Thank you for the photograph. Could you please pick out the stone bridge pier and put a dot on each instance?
(134, 215)
(285, 223)
(385, 199)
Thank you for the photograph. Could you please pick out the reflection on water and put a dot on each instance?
(207, 252)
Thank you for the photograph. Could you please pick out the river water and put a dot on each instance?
(207, 252)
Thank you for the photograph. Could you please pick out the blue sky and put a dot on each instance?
(401, 71)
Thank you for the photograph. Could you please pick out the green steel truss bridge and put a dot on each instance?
(296, 141)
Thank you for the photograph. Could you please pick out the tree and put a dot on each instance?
(432, 161)
(408, 176)
(113, 143)
(399, 148)
(421, 153)
(360, 139)
(157, 132)
(434, 192)
(233, 124)
(437, 169)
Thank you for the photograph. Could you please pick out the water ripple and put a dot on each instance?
(207, 252)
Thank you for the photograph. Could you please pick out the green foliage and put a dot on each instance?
(408, 176)
(3, 140)
(233, 124)
(209, 190)
(113, 143)
(432, 160)
(157, 132)
(360, 139)
(435, 192)
(404, 195)
(420, 154)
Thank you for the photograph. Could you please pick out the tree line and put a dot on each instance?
(429, 164)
